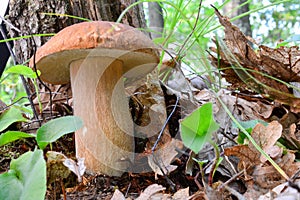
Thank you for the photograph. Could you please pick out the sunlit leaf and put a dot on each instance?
(197, 128)
(9, 117)
(56, 128)
(22, 70)
(26, 178)
(11, 136)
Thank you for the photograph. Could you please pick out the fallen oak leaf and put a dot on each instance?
(262, 71)
(160, 160)
(248, 157)
(266, 137)
(288, 164)
(118, 195)
(150, 191)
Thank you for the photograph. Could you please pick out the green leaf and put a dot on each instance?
(56, 128)
(22, 70)
(26, 178)
(11, 136)
(197, 128)
(9, 117)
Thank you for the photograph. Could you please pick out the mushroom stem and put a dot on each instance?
(106, 141)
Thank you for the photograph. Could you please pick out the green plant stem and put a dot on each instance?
(27, 36)
(215, 163)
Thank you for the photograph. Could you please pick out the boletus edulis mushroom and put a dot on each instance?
(95, 56)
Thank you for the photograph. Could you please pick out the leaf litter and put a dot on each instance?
(260, 88)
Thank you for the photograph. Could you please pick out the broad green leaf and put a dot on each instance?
(11, 136)
(9, 117)
(197, 128)
(26, 178)
(56, 128)
(22, 70)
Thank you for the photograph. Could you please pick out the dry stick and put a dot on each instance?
(8, 106)
(292, 180)
(231, 179)
(165, 124)
(235, 193)
(127, 190)
(38, 77)
(196, 180)
(13, 56)
(170, 182)
(155, 158)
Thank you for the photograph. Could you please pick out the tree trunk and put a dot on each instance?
(244, 22)
(156, 20)
(28, 17)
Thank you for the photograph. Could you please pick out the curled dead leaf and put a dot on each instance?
(266, 137)
(257, 71)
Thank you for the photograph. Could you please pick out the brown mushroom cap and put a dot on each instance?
(98, 38)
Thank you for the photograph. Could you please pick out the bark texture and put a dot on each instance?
(28, 16)
(156, 19)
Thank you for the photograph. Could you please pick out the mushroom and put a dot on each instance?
(95, 56)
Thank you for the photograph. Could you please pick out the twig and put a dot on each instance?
(38, 77)
(127, 190)
(235, 193)
(196, 180)
(165, 124)
(292, 180)
(230, 180)
(155, 159)
(8, 106)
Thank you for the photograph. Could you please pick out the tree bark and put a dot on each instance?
(244, 22)
(29, 17)
(156, 20)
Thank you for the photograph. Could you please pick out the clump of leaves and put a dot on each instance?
(26, 178)
(266, 71)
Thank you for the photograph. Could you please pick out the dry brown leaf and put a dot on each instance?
(161, 158)
(181, 194)
(266, 137)
(148, 109)
(282, 63)
(118, 195)
(248, 157)
(150, 191)
(267, 177)
(288, 164)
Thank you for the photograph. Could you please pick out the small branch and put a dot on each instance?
(38, 77)
(165, 124)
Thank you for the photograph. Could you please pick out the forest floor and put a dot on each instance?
(258, 99)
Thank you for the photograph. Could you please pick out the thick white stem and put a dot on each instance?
(106, 140)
